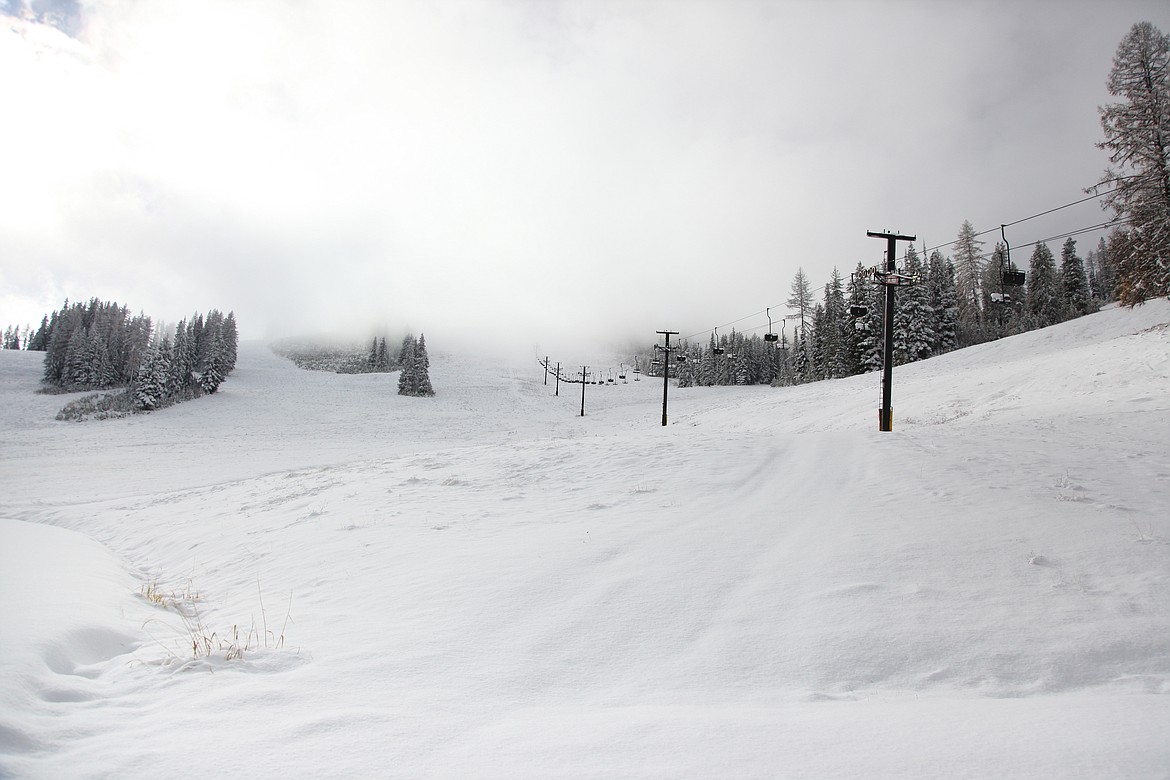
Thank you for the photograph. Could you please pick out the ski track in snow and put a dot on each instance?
(487, 584)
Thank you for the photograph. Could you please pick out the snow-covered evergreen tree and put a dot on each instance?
(944, 301)
(231, 341)
(1105, 289)
(40, 340)
(855, 332)
(914, 335)
(968, 262)
(818, 338)
(422, 368)
(151, 386)
(1044, 299)
(836, 325)
(740, 369)
(873, 331)
(382, 356)
(782, 363)
(802, 368)
(406, 382)
(1073, 281)
(708, 373)
(801, 301)
(406, 349)
(213, 362)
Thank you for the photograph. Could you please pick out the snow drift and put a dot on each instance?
(487, 584)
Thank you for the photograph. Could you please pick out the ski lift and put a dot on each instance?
(681, 359)
(717, 350)
(622, 372)
(858, 311)
(770, 336)
(1012, 277)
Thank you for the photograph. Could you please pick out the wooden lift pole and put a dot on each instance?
(665, 367)
(886, 413)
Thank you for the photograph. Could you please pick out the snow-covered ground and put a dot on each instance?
(485, 584)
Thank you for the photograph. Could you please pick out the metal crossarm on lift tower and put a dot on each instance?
(886, 413)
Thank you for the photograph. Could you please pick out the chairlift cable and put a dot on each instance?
(1025, 219)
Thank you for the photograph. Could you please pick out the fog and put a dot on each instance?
(551, 175)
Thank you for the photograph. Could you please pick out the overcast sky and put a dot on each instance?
(552, 173)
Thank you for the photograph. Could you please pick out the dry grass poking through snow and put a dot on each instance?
(205, 642)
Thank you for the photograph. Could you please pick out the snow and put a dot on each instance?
(486, 584)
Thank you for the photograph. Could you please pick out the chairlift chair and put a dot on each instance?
(770, 336)
(1012, 276)
(717, 350)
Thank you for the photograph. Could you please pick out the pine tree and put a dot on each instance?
(782, 363)
(1137, 137)
(708, 374)
(406, 379)
(857, 327)
(147, 393)
(837, 323)
(382, 357)
(103, 373)
(943, 300)
(213, 361)
(151, 385)
(40, 340)
(422, 368)
(802, 368)
(1044, 302)
(817, 341)
(873, 330)
(1073, 282)
(78, 359)
(181, 366)
(741, 371)
(968, 276)
(1106, 272)
(801, 300)
(914, 333)
(407, 348)
(231, 342)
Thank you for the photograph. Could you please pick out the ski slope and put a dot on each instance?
(486, 584)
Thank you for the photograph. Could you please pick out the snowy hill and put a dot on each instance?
(487, 584)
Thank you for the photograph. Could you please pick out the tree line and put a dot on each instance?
(411, 359)
(99, 345)
(194, 363)
(954, 302)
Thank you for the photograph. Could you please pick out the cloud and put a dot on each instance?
(561, 172)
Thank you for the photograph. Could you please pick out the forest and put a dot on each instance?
(949, 302)
(101, 346)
